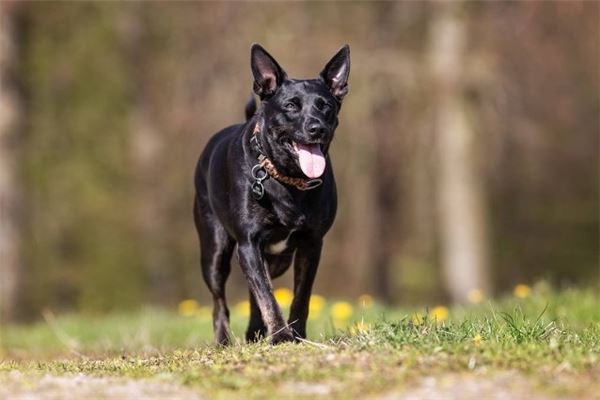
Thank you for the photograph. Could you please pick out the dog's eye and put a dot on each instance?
(290, 106)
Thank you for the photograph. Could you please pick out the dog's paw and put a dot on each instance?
(285, 335)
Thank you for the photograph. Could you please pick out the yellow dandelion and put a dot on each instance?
(477, 340)
(439, 313)
(522, 291)
(365, 301)
(475, 296)
(284, 297)
(243, 308)
(341, 310)
(417, 318)
(359, 327)
(187, 308)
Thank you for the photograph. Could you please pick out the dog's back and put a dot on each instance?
(219, 141)
(215, 148)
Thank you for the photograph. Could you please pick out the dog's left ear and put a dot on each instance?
(336, 72)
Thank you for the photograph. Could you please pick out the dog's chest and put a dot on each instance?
(277, 245)
(287, 218)
(288, 212)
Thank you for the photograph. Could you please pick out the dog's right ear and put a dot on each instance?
(268, 75)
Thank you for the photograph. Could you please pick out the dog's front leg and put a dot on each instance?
(305, 269)
(259, 281)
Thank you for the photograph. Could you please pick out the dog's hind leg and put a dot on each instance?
(216, 248)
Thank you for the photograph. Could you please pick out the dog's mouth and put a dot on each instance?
(311, 158)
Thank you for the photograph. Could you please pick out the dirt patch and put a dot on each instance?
(507, 385)
(17, 386)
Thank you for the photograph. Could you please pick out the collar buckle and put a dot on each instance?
(311, 184)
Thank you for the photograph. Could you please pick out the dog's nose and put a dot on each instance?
(315, 129)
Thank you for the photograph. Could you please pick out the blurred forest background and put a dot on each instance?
(466, 156)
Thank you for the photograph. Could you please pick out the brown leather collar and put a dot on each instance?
(269, 167)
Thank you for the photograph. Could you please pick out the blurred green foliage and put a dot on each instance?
(88, 68)
(80, 246)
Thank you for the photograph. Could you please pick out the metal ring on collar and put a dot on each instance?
(313, 183)
(259, 173)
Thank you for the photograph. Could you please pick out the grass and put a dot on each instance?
(375, 350)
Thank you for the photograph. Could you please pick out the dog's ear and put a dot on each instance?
(268, 75)
(336, 72)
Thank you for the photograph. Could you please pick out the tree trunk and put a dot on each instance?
(462, 219)
(10, 117)
(147, 143)
(385, 196)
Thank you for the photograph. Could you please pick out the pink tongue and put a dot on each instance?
(312, 160)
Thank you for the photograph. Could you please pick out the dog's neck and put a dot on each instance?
(267, 165)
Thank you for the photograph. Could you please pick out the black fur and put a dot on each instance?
(250, 108)
(226, 214)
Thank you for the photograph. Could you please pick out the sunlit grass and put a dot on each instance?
(355, 346)
(536, 316)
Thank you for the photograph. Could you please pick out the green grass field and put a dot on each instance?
(546, 343)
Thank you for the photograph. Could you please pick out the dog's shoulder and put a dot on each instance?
(224, 135)
(217, 145)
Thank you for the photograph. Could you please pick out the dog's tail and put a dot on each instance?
(250, 108)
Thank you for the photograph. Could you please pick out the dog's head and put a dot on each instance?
(300, 115)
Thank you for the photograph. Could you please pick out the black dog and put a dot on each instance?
(267, 186)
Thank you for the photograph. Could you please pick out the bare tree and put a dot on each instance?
(10, 115)
(386, 197)
(147, 144)
(460, 195)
